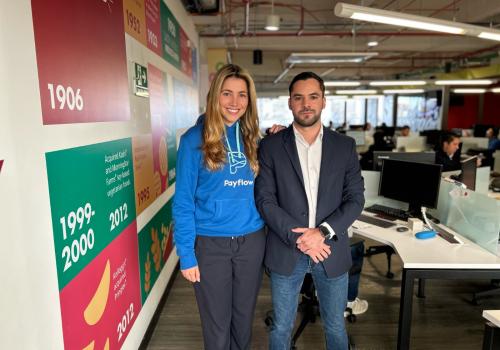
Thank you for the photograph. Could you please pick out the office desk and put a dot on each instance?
(430, 259)
(491, 338)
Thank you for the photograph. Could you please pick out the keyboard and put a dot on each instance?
(444, 234)
(387, 212)
(374, 221)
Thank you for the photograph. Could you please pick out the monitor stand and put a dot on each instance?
(414, 211)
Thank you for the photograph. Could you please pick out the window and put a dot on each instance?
(273, 111)
(372, 111)
(418, 113)
(334, 111)
(387, 115)
(355, 111)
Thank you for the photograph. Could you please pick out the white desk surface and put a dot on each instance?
(432, 253)
(493, 316)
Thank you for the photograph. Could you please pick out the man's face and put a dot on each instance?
(306, 102)
(405, 132)
(489, 133)
(451, 147)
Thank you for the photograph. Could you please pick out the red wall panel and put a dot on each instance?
(464, 116)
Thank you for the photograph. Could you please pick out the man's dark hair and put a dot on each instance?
(448, 137)
(305, 76)
(495, 132)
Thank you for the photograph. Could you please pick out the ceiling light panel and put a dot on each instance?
(330, 57)
(469, 91)
(356, 92)
(490, 36)
(465, 82)
(404, 91)
(342, 83)
(370, 14)
(397, 83)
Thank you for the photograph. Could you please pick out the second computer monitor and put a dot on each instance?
(468, 175)
(419, 157)
(414, 183)
(357, 135)
(411, 143)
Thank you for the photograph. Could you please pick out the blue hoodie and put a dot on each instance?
(212, 203)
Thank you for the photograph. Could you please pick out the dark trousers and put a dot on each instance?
(231, 274)
(357, 254)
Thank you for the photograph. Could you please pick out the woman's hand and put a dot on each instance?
(192, 274)
(275, 128)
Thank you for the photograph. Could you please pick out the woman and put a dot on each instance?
(218, 232)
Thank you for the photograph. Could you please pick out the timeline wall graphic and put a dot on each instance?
(82, 65)
(106, 269)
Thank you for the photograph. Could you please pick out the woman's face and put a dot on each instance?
(233, 99)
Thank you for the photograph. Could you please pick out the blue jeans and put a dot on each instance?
(332, 295)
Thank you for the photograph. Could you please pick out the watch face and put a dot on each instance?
(324, 231)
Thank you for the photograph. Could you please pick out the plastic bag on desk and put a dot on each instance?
(476, 217)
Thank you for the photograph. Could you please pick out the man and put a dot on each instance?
(449, 154)
(493, 141)
(309, 191)
(405, 131)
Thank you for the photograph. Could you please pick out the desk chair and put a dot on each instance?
(379, 249)
(495, 290)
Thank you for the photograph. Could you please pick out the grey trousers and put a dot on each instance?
(231, 274)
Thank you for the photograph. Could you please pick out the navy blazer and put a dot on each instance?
(282, 202)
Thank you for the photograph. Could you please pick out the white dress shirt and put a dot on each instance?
(310, 164)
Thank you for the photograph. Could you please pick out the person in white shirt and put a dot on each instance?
(309, 191)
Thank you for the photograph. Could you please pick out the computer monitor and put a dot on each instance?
(468, 175)
(433, 137)
(480, 129)
(418, 157)
(411, 143)
(473, 143)
(357, 135)
(414, 183)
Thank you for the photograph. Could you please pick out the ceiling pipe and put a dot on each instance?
(343, 67)
(283, 74)
(301, 29)
(247, 17)
(278, 4)
(336, 34)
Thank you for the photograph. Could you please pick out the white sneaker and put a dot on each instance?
(358, 306)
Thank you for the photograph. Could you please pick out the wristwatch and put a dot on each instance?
(326, 233)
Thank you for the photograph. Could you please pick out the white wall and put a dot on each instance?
(29, 297)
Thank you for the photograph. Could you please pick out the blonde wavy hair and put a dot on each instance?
(214, 150)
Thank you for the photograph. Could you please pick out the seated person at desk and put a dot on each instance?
(369, 131)
(381, 143)
(355, 305)
(493, 141)
(448, 154)
(405, 131)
